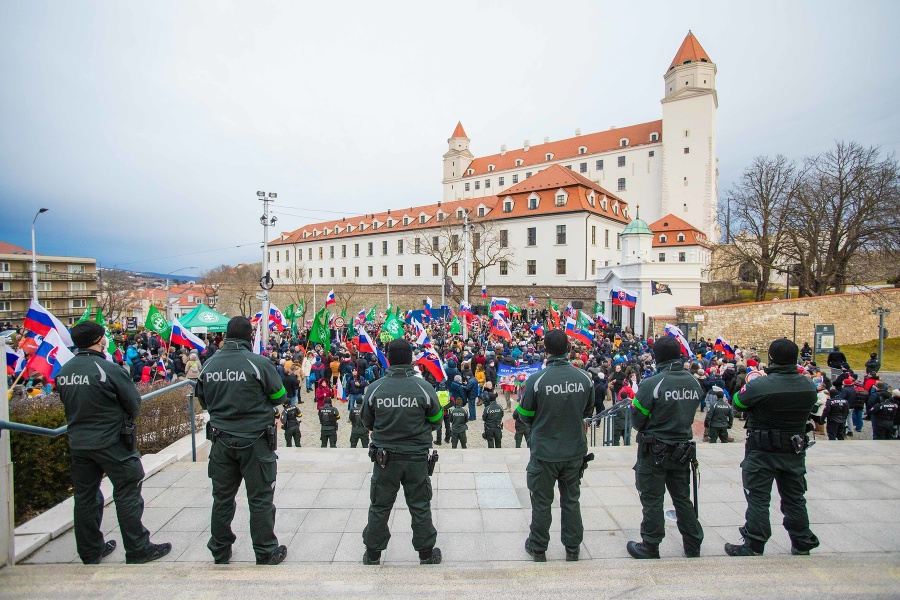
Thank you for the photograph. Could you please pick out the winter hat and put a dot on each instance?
(752, 363)
(848, 381)
(399, 352)
(665, 348)
(239, 328)
(87, 333)
(783, 352)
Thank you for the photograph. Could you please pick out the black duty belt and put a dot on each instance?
(407, 457)
(776, 441)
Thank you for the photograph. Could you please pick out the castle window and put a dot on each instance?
(623, 142)
(687, 150)
(507, 207)
(471, 171)
(582, 168)
(582, 150)
(390, 223)
(490, 167)
(500, 182)
(467, 187)
(528, 174)
(560, 200)
(654, 137)
(569, 167)
(651, 154)
(599, 165)
(487, 183)
(662, 239)
(422, 219)
(519, 162)
(549, 156)
(621, 184)
(480, 211)
(682, 257)
(621, 161)
(662, 257)
(406, 220)
(459, 214)
(477, 185)
(680, 237)
(515, 178)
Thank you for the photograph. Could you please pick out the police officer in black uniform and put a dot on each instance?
(459, 416)
(493, 421)
(101, 404)
(401, 409)
(720, 417)
(358, 432)
(778, 407)
(328, 420)
(290, 421)
(557, 400)
(240, 390)
(663, 414)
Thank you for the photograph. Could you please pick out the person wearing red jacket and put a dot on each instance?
(322, 392)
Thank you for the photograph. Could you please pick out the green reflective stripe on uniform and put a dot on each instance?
(738, 403)
(522, 411)
(437, 417)
(638, 406)
(278, 394)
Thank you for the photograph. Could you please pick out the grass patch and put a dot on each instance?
(858, 354)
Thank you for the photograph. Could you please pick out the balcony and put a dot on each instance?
(26, 295)
(47, 276)
(18, 316)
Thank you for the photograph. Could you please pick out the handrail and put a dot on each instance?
(35, 430)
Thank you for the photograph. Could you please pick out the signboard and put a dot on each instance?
(824, 339)
(339, 322)
(199, 329)
(131, 323)
(262, 296)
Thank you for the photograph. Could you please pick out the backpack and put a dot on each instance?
(861, 397)
(370, 374)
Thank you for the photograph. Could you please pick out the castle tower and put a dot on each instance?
(690, 169)
(637, 240)
(456, 160)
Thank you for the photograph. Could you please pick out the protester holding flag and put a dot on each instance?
(101, 405)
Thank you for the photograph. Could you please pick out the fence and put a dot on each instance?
(607, 424)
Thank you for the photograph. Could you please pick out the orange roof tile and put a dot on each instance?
(550, 179)
(602, 141)
(690, 51)
(459, 132)
(7, 248)
(671, 226)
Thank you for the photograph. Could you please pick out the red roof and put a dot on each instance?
(690, 51)
(459, 132)
(7, 248)
(603, 141)
(551, 179)
(671, 226)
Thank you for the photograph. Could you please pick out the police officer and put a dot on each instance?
(556, 401)
(663, 414)
(778, 407)
(493, 420)
(835, 414)
(290, 421)
(358, 432)
(100, 400)
(522, 430)
(459, 416)
(240, 389)
(328, 419)
(884, 414)
(401, 409)
(720, 417)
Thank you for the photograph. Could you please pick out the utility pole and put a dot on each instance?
(881, 311)
(266, 282)
(795, 314)
(465, 270)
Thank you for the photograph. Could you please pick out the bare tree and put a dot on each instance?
(489, 247)
(115, 291)
(297, 287)
(760, 205)
(848, 203)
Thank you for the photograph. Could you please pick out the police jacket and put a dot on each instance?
(556, 401)
(492, 415)
(836, 410)
(239, 389)
(783, 400)
(291, 417)
(458, 419)
(665, 403)
(356, 423)
(885, 411)
(719, 415)
(328, 418)
(521, 426)
(401, 410)
(99, 398)
(836, 359)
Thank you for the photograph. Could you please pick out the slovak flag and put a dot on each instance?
(183, 337)
(421, 336)
(329, 299)
(277, 317)
(361, 317)
(622, 297)
(722, 346)
(15, 361)
(366, 345)
(675, 332)
(570, 310)
(50, 356)
(500, 327)
(427, 311)
(432, 363)
(538, 329)
(500, 305)
(601, 320)
(483, 291)
(161, 368)
(257, 340)
(531, 301)
(39, 320)
(574, 331)
(465, 308)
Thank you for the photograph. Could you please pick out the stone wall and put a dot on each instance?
(358, 297)
(758, 323)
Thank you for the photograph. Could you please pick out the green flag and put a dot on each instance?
(157, 322)
(319, 333)
(370, 316)
(455, 327)
(398, 313)
(301, 310)
(598, 308)
(553, 304)
(86, 316)
(583, 321)
(289, 313)
(393, 326)
(344, 314)
(512, 308)
(110, 343)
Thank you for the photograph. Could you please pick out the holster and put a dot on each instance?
(584, 464)
(381, 457)
(272, 437)
(684, 452)
(372, 451)
(432, 461)
(128, 435)
(212, 434)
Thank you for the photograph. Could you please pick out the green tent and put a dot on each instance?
(204, 316)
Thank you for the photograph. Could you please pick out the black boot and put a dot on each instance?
(430, 557)
(572, 553)
(642, 550)
(371, 557)
(537, 555)
(742, 550)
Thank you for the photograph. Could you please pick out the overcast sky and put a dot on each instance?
(147, 127)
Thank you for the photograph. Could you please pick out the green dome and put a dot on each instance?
(637, 227)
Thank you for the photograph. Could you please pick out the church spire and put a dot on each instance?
(690, 51)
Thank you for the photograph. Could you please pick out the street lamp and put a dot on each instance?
(34, 256)
(881, 311)
(265, 281)
(168, 312)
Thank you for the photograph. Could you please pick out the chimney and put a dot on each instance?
(439, 203)
(502, 149)
(527, 145)
(611, 127)
(578, 132)
(546, 139)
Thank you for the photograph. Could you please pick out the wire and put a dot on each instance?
(337, 212)
(135, 262)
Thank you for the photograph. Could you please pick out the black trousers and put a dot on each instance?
(652, 482)
(123, 466)
(329, 436)
(292, 435)
(413, 476)
(362, 438)
(718, 433)
(834, 430)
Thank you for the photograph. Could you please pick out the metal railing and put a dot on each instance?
(46, 432)
(607, 423)
(47, 275)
